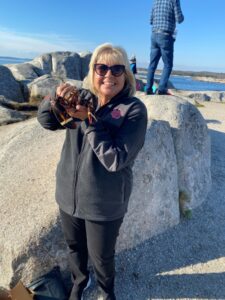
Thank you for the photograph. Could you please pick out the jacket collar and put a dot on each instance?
(122, 94)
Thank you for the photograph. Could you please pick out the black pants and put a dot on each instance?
(98, 239)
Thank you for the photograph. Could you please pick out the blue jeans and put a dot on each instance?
(162, 45)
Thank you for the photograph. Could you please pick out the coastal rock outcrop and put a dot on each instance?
(9, 87)
(171, 172)
(62, 64)
(32, 241)
(46, 85)
(154, 202)
(25, 72)
(18, 80)
(42, 86)
(28, 82)
(201, 96)
(192, 146)
(8, 115)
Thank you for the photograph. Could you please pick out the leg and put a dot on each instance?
(101, 239)
(154, 60)
(167, 47)
(75, 236)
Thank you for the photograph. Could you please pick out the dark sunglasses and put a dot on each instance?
(102, 69)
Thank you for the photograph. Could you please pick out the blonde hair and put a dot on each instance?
(115, 55)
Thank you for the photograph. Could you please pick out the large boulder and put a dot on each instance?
(216, 96)
(201, 96)
(31, 241)
(42, 86)
(66, 65)
(173, 165)
(192, 146)
(8, 116)
(28, 157)
(61, 64)
(25, 71)
(9, 87)
(29, 81)
(85, 60)
(46, 85)
(43, 62)
(154, 203)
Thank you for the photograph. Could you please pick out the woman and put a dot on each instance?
(94, 174)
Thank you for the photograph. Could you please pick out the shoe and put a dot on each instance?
(77, 292)
(149, 92)
(86, 287)
(158, 92)
(104, 296)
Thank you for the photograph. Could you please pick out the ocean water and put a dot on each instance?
(189, 84)
(12, 60)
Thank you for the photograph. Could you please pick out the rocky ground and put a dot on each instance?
(187, 261)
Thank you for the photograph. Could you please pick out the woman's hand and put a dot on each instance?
(63, 89)
(79, 112)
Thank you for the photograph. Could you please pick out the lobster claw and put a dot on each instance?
(60, 105)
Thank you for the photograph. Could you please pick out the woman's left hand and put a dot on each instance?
(81, 112)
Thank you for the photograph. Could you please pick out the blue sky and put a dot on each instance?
(29, 28)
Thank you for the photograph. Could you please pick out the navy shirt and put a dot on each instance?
(165, 14)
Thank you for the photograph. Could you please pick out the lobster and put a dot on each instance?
(60, 105)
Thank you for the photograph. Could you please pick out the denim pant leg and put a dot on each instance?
(166, 43)
(75, 236)
(154, 60)
(101, 239)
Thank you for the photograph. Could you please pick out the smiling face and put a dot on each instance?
(108, 86)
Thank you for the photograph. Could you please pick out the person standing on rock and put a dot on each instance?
(164, 15)
(94, 174)
(133, 64)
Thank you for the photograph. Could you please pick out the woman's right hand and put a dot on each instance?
(63, 89)
(80, 112)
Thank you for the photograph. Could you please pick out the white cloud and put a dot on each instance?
(30, 45)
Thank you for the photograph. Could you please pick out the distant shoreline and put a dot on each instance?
(15, 58)
(200, 76)
(209, 79)
(191, 73)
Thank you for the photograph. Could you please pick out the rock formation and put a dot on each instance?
(30, 81)
(172, 171)
(192, 146)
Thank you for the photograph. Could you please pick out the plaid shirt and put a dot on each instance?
(165, 14)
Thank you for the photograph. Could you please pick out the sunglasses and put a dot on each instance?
(116, 70)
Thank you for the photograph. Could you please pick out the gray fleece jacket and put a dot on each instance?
(94, 174)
